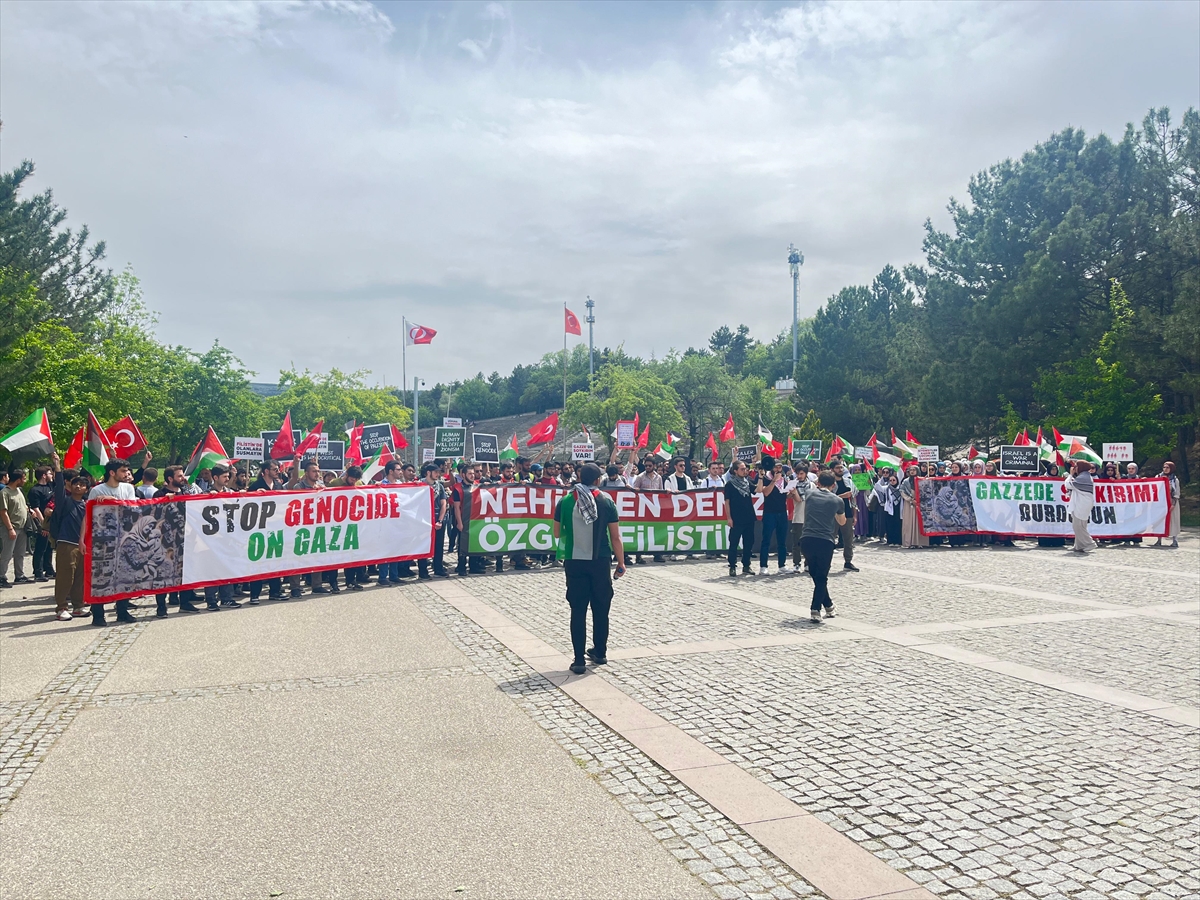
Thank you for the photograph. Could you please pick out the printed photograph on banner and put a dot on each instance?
(946, 505)
(136, 548)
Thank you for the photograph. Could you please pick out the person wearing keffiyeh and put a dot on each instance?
(588, 536)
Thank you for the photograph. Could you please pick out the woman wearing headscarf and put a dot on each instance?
(910, 531)
(862, 521)
(887, 497)
(1168, 472)
(1131, 472)
(1109, 471)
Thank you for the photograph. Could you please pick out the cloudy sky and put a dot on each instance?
(473, 166)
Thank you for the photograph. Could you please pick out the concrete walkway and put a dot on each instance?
(323, 747)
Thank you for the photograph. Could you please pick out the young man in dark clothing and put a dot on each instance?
(774, 516)
(824, 516)
(460, 499)
(70, 490)
(175, 484)
(40, 497)
(739, 512)
(587, 534)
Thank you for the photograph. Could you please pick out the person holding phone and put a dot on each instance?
(587, 535)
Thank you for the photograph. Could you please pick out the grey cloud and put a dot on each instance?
(346, 166)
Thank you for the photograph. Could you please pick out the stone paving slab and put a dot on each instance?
(1158, 659)
(971, 784)
(318, 635)
(34, 647)
(356, 792)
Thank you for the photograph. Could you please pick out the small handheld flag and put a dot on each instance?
(31, 438)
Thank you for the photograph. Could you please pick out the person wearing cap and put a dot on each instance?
(1083, 497)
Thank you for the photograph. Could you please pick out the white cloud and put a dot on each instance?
(341, 168)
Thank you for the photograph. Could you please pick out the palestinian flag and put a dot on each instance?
(764, 436)
(208, 453)
(1046, 453)
(906, 452)
(31, 438)
(377, 463)
(96, 449)
(511, 451)
(75, 451)
(669, 447)
(1080, 450)
(846, 449)
(886, 461)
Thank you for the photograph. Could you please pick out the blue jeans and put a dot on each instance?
(773, 524)
(389, 572)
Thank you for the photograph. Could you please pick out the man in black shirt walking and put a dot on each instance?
(824, 516)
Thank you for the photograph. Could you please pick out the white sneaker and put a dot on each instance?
(816, 617)
(64, 616)
(829, 614)
(796, 570)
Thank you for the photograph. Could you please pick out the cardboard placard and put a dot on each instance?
(1015, 458)
(626, 438)
(448, 422)
(806, 450)
(584, 451)
(427, 455)
(485, 448)
(863, 453)
(450, 442)
(1120, 452)
(374, 437)
(927, 453)
(249, 448)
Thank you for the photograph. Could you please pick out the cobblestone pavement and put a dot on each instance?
(974, 784)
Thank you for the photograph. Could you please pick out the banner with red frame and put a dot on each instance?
(137, 547)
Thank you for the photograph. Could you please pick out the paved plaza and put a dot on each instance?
(975, 723)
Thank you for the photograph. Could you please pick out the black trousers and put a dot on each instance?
(818, 553)
(439, 550)
(589, 583)
(43, 556)
(744, 532)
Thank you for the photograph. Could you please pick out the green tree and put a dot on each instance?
(617, 394)
(64, 268)
(704, 390)
(338, 398)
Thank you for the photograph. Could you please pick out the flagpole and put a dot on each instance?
(564, 366)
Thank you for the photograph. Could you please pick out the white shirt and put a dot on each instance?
(710, 482)
(671, 483)
(123, 491)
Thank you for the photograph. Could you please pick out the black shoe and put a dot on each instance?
(296, 594)
(126, 618)
(254, 601)
(733, 571)
(24, 579)
(577, 667)
(276, 597)
(359, 587)
(231, 604)
(189, 607)
(213, 607)
(597, 658)
(746, 570)
(425, 576)
(133, 605)
(4, 583)
(160, 614)
(40, 578)
(445, 574)
(334, 589)
(322, 589)
(50, 574)
(99, 623)
(850, 567)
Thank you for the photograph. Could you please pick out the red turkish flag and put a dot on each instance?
(399, 441)
(419, 334)
(644, 440)
(727, 433)
(774, 449)
(544, 431)
(571, 322)
(311, 439)
(75, 451)
(353, 454)
(126, 438)
(711, 446)
(284, 447)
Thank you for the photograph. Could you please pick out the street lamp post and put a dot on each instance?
(795, 261)
(591, 320)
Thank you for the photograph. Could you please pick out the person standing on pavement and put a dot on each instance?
(824, 517)
(1168, 472)
(847, 491)
(41, 497)
(774, 516)
(1083, 497)
(70, 489)
(587, 535)
(14, 540)
(309, 481)
(175, 484)
(118, 484)
(739, 512)
(220, 595)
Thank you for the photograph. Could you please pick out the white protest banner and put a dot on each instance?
(583, 451)
(927, 453)
(451, 422)
(1037, 507)
(864, 453)
(427, 455)
(626, 435)
(249, 448)
(1122, 452)
(137, 547)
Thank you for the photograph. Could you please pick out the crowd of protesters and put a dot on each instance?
(42, 520)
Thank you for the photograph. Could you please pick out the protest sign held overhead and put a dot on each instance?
(485, 448)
